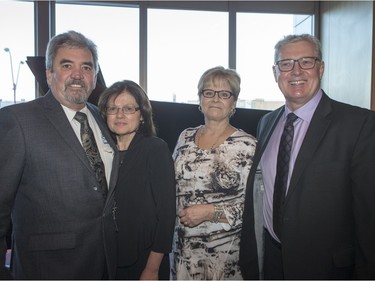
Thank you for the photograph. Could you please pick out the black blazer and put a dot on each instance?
(62, 229)
(329, 219)
(146, 199)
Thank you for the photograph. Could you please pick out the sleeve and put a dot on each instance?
(163, 187)
(243, 158)
(12, 154)
(178, 144)
(249, 259)
(363, 177)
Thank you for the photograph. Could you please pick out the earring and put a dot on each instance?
(200, 108)
(233, 111)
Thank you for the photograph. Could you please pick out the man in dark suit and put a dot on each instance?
(63, 221)
(327, 212)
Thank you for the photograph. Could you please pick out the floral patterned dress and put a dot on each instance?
(211, 176)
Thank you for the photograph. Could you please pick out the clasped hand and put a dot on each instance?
(196, 214)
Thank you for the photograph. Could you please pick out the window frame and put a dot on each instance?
(45, 25)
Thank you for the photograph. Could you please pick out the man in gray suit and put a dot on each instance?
(63, 225)
(323, 226)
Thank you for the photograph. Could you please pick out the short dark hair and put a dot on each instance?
(147, 127)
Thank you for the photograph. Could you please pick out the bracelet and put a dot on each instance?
(218, 213)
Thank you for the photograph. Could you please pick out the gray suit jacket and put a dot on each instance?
(62, 229)
(329, 227)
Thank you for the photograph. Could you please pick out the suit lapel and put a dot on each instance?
(265, 130)
(318, 127)
(56, 115)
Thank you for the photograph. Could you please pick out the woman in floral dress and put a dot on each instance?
(212, 163)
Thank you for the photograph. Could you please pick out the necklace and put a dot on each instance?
(200, 132)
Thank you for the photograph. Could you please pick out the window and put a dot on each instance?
(257, 35)
(16, 45)
(182, 40)
(115, 30)
(181, 46)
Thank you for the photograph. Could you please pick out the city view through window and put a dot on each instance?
(182, 44)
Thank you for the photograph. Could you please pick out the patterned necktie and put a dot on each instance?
(282, 171)
(92, 152)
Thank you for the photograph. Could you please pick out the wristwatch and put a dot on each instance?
(218, 213)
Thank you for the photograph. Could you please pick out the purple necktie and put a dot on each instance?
(282, 171)
(92, 152)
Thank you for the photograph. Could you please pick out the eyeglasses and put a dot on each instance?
(208, 93)
(127, 109)
(304, 63)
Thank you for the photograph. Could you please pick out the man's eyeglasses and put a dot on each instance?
(127, 109)
(304, 63)
(208, 93)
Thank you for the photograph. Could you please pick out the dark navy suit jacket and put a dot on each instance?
(329, 219)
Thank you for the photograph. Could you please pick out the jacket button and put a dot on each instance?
(95, 188)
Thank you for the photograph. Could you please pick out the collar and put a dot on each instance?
(307, 110)
(70, 113)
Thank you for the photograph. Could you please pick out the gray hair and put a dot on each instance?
(220, 73)
(71, 39)
(298, 38)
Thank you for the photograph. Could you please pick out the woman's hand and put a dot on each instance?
(196, 214)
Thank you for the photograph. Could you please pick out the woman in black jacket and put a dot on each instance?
(145, 191)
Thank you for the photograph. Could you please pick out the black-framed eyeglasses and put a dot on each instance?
(304, 63)
(208, 93)
(127, 109)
